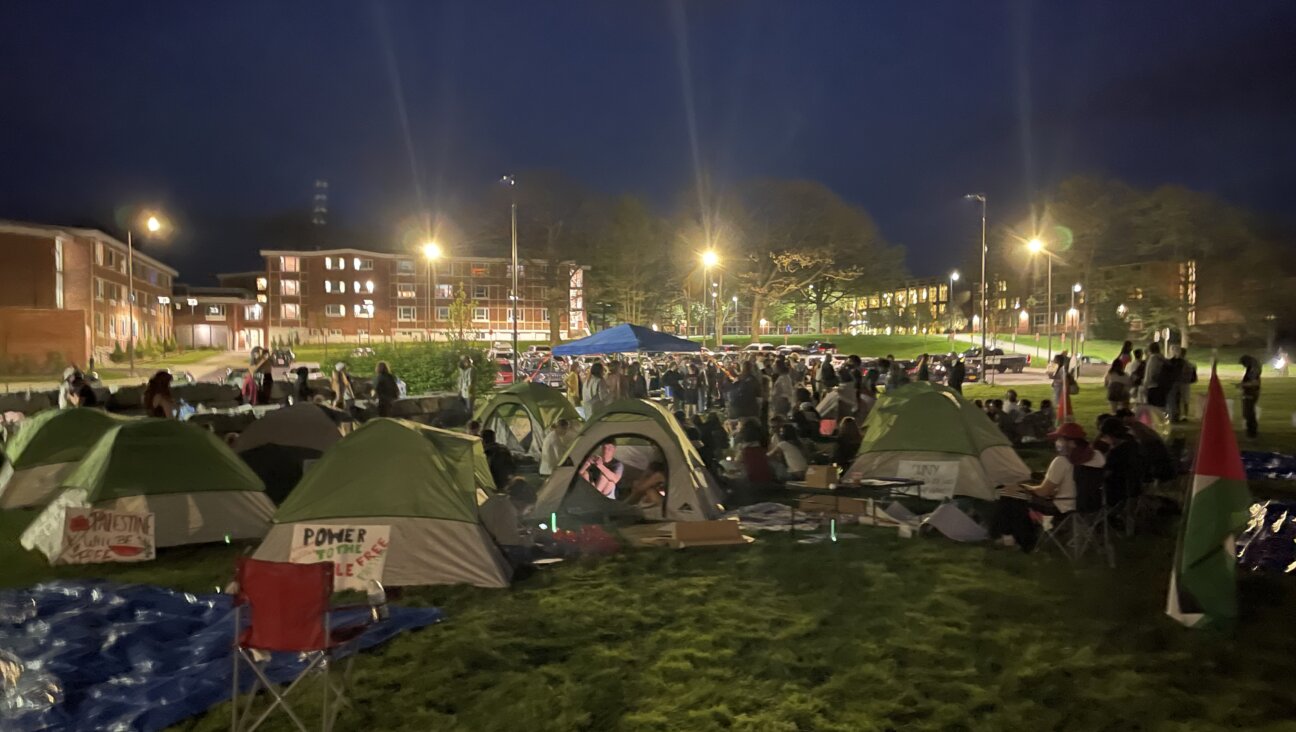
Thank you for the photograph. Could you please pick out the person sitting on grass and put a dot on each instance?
(603, 470)
(786, 456)
(806, 420)
(750, 454)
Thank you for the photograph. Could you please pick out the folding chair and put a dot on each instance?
(1086, 526)
(287, 608)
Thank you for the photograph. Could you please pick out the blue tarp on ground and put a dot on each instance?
(1269, 465)
(97, 656)
(627, 338)
(1269, 541)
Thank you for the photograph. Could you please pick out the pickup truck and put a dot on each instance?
(996, 359)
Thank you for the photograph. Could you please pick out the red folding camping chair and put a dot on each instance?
(288, 611)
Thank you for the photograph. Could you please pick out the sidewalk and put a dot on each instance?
(208, 369)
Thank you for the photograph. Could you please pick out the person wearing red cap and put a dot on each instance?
(1055, 496)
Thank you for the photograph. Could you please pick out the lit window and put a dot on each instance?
(252, 312)
(328, 285)
(364, 310)
(335, 310)
(341, 286)
(356, 285)
(99, 253)
(215, 312)
(289, 287)
(262, 298)
(363, 264)
(290, 264)
(406, 291)
(405, 312)
(481, 315)
(261, 284)
(368, 285)
(328, 263)
(442, 312)
(544, 314)
(445, 292)
(289, 311)
(405, 266)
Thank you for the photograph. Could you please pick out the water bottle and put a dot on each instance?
(378, 601)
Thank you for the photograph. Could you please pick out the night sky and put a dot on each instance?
(225, 113)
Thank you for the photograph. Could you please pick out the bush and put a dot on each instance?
(427, 367)
(117, 355)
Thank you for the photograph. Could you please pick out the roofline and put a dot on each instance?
(24, 227)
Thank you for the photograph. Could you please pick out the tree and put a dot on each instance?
(788, 235)
(630, 248)
(459, 320)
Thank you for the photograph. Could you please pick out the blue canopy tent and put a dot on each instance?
(626, 338)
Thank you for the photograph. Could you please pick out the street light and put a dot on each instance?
(1075, 324)
(982, 198)
(711, 259)
(513, 293)
(192, 301)
(949, 301)
(431, 252)
(1035, 246)
(153, 225)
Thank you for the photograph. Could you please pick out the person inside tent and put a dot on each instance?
(1055, 496)
(498, 458)
(649, 489)
(157, 396)
(555, 445)
(603, 470)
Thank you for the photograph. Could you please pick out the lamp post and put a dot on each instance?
(949, 301)
(1076, 289)
(513, 293)
(710, 259)
(152, 225)
(431, 252)
(982, 198)
(192, 302)
(1035, 246)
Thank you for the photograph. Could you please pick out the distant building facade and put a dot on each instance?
(358, 295)
(48, 268)
(218, 317)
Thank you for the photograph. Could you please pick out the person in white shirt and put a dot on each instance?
(555, 445)
(597, 394)
(786, 457)
(1058, 491)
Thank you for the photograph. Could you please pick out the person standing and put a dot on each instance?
(1126, 356)
(343, 392)
(1187, 377)
(1172, 377)
(555, 444)
(264, 375)
(638, 388)
(572, 383)
(1117, 383)
(957, 374)
(783, 393)
(1136, 370)
(1153, 378)
(385, 389)
(596, 395)
(466, 382)
(1250, 387)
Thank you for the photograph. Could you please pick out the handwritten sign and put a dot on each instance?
(358, 553)
(98, 535)
(939, 477)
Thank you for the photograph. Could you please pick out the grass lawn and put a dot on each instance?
(868, 634)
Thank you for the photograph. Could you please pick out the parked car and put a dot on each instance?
(998, 360)
(755, 347)
(821, 347)
(282, 357)
(361, 352)
(550, 374)
(1093, 366)
(503, 372)
(790, 349)
(539, 349)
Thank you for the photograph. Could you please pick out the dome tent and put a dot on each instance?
(522, 414)
(277, 445)
(46, 448)
(691, 492)
(196, 487)
(400, 474)
(925, 422)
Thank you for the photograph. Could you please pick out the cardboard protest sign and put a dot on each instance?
(939, 477)
(97, 535)
(358, 553)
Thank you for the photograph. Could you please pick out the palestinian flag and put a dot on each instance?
(1203, 588)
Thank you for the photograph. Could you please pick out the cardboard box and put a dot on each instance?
(835, 505)
(820, 476)
(707, 533)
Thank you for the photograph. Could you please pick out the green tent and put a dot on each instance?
(928, 427)
(644, 432)
(197, 488)
(522, 414)
(45, 449)
(420, 481)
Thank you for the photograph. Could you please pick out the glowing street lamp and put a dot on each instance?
(153, 225)
(949, 301)
(711, 259)
(431, 252)
(1036, 246)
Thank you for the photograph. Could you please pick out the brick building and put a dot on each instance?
(218, 317)
(77, 270)
(359, 295)
(916, 306)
